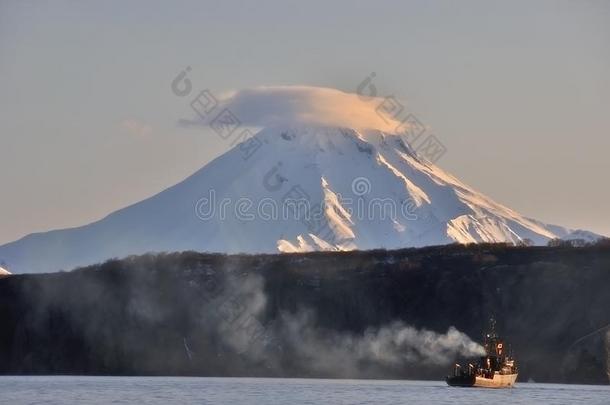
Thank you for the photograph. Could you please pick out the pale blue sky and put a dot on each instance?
(519, 92)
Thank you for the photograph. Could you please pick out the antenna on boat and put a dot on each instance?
(492, 327)
(490, 332)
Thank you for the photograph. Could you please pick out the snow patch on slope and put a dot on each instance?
(338, 218)
(470, 229)
(579, 234)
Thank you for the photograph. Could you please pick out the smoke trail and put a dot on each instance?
(296, 340)
(388, 347)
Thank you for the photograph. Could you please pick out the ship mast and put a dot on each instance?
(490, 338)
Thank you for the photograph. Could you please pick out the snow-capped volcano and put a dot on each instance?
(288, 189)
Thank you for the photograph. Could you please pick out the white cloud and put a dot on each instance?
(276, 105)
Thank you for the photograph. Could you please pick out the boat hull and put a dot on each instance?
(461, 380)
(498, 381)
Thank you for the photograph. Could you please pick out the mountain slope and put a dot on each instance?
(304, 188)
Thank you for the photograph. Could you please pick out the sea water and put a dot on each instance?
(67, 390)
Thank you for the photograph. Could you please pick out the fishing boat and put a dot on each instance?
(497, 369)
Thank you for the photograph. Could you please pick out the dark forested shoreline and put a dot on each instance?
(272, 315)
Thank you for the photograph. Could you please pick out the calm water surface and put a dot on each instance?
(164, 390)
